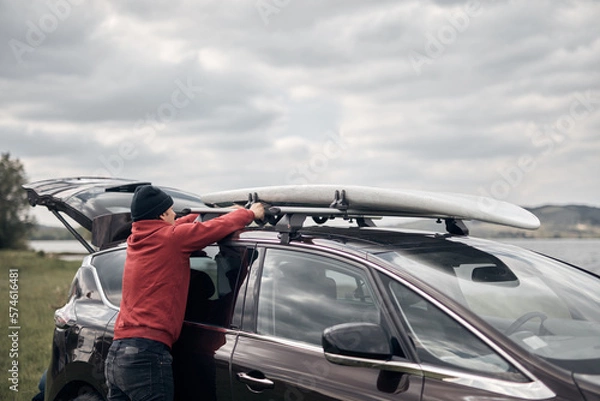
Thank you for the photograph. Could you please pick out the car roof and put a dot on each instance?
(357, 239)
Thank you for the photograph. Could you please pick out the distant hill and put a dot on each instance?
(569, 221)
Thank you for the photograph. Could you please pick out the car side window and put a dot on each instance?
(109, 266)
(215, 278)
(442, 341)
(302, 294)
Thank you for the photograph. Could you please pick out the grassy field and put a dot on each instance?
(43, 284)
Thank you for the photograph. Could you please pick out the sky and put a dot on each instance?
(494, 98)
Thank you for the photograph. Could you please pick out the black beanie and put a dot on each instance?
(149, 202)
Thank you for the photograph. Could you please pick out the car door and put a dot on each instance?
(201, 356)
(292, 298)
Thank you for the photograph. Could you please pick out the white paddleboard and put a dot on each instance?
(396, 202)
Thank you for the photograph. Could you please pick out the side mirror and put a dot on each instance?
(362, 340)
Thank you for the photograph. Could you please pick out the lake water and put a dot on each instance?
(71, 249)
(580, 252)
(70, 246)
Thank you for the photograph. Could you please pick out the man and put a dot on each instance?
(155, 286)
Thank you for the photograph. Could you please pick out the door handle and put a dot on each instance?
(256, 381)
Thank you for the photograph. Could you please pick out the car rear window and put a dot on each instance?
(110, 266)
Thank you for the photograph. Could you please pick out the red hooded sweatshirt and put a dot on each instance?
(157, 272)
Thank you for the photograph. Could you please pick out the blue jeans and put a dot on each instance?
(42, 387)
(138, 369)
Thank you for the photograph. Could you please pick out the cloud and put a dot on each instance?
(446, 95)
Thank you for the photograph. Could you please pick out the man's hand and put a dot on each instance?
(259, 211)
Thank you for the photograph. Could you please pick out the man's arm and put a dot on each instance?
(189, 218)
(197, 235)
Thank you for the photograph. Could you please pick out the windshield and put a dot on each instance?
(547, 307)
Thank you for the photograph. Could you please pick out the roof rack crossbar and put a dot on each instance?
(317, 211)
(456, 227)
(206, 213)
(287, 220)
(349, 213)
(289, 225)
(309, 211)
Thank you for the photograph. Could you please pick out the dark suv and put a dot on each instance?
(287, 312)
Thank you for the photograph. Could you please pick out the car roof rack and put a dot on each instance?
(288, 220)
(288, 207)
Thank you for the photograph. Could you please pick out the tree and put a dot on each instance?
(15, 221)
